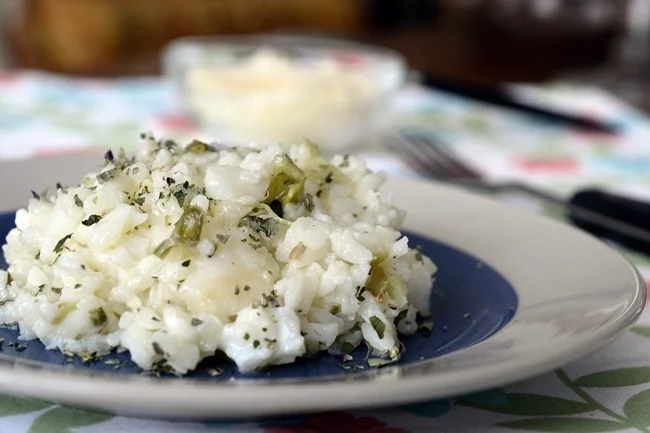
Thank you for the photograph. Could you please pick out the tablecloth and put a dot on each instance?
(42, 114)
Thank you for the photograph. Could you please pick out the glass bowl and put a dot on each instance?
(269, 89)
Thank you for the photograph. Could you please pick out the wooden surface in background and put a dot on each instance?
(106, 37)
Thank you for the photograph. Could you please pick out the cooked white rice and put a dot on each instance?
(177, 254)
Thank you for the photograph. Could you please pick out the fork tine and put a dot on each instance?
(445, 156)
(419, 157)
(432, 156)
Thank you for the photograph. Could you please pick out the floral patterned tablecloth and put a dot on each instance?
(609, 391)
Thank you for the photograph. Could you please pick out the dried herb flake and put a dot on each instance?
(92, 219)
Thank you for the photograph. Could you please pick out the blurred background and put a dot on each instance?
(79, 73)
(484, 41)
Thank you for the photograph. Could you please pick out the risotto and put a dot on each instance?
(266, 254)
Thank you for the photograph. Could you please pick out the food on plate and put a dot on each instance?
(265, 253)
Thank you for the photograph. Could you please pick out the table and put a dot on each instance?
(608, 391)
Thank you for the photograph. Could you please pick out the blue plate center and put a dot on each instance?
(470, 302)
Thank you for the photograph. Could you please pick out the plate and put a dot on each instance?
(516, 295)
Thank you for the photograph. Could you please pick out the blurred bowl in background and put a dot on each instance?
(274, 88)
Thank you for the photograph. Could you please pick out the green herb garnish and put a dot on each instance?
(92, 219)
(186, 263)
(139, 201)
(78, 201)
(107, 175)
(108, 157)
(335, 310)
(256, 344)
(247, 288)
(196, 322)
(35, 195)
(268, 226)
(59, 245)
(57, 290)
(223, 238)
(157, 349)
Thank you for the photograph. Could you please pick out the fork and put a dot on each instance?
(624, 220)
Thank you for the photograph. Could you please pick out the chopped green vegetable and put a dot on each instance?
(63, 309)
(59, 245)
(418, 253)
(196, 322)
(140, 200)
(199, 147)
(187, 231)
(10, 279)
(98, 316)
(256, 344)
(186, 263)
(188, 227)
(223, 238)
(57, 290)
(247, 288)
(236, 289)
(309, 202)
(392, 285)
(78, 201)
(287, 181)
(378, 325)
(347, 347)
(35, 195)
(163, 248)
(92, 219)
